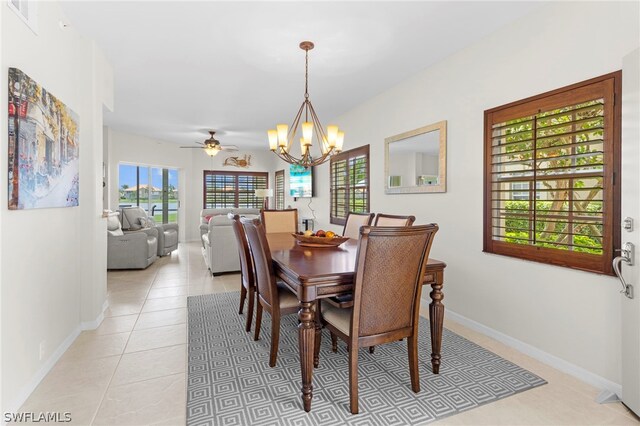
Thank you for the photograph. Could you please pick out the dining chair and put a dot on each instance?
(390, 267)
(354, 222)
(393, 220)
(273, 297)
(279, 220)
(247, 277)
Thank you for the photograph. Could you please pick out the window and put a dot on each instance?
(349, 180)
(155, 189)
(26, 10)
(279, 190)
(552, 164)
(224, 189)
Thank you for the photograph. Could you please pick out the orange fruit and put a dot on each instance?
(330, 234)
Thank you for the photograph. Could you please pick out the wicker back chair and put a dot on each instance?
(354, 222)
(393, 220)
(390, 268)
(279, 220)
(247, 277)
(273, 297)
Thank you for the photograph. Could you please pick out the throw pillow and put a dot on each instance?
(113, 224)
(147, 222)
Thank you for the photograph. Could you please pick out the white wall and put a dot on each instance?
(53, 271)
(136, 149)
(570, 314)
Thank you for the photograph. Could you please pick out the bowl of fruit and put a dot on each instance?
(319, 238)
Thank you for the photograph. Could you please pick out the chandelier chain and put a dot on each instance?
(306, 74)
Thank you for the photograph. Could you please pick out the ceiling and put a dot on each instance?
(182, 68)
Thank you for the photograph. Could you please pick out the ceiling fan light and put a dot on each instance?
(211, 152)
(273, 139)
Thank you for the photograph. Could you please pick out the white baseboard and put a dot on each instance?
(28, 389)
(542, 356)
(92, 325)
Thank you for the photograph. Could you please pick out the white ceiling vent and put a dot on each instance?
(27, 11)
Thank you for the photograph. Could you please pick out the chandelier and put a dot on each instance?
(282, 138)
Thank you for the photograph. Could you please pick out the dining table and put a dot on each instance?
(315, 273)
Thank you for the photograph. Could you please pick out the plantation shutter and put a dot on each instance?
(280, 189)
(247, 185)
(550, 170)
(349, 181)
(233, 189)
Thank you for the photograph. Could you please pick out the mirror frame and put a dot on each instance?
(442, 166)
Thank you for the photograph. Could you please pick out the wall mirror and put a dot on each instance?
(416, 161)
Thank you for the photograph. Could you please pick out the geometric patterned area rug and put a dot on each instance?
(230, 382)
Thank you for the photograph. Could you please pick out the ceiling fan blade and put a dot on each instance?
(229, 148)
(192, 147)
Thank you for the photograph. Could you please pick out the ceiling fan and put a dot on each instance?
(212, 146)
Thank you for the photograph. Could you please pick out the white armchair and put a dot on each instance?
(131, 250)
(135, 218)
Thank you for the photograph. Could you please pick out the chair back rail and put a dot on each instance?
(393, 220)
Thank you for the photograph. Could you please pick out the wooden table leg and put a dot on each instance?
(436, 321)
(306, 337)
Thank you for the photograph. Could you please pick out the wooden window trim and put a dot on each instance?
(279, 173)
(346, 155)
(609, 84)
(228, 173)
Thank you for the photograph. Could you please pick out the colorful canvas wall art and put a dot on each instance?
(44, 138)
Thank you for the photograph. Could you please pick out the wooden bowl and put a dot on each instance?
(319, 241)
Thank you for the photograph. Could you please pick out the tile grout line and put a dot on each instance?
(106, 390)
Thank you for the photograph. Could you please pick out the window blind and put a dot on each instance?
(550, 167)
(224, 189)
(349, 181)
(279, 180)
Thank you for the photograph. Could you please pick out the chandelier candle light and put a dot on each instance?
(281, 139)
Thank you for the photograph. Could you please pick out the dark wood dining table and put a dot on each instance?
(314, 273)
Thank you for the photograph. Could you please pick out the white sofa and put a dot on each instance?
(219, 246)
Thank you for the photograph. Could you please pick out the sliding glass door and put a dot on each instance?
(155, 189)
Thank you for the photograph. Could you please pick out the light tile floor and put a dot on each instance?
(132, 369)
